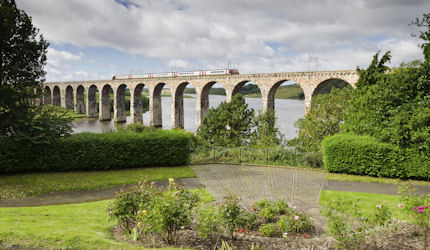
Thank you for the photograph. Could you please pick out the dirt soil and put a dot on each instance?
(403, 237)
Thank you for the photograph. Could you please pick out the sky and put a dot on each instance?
(95, 39)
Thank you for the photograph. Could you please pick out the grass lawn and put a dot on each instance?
(349, 177)
(77, 226)
(366, 201)
(22, 185)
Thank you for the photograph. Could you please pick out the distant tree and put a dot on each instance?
(22, 58)
(229, 124)
(322, 120)
(266, 132)
(424, 22)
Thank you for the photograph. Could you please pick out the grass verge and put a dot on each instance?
(24, 185)
(359, 178)
(76, 226)
(365, 201)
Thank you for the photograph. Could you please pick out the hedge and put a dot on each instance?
(91, 151)
(365, 155)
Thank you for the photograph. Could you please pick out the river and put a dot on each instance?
(287, 111)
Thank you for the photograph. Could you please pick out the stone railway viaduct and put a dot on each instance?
(72, 94)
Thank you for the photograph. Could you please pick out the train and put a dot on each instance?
(175, 74)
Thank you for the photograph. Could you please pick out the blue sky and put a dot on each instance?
(99, 38)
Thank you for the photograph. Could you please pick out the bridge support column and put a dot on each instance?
(136, 104)
(104, 104)
(119, 110)
(268, 104)
(229, 95)
(155, 112)
(79, 100)
(69, 98)
(47, 96)
(91, 102)
(202, 107)
(63, 98)
(177, 115)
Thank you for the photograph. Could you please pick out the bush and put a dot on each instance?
(269, 230)
(126, 203)
(168, 213)
(231, 216)
(365, 155)
(294, 223)
(90, 151)
(208, 223)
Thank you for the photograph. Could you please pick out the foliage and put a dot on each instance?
(90, 151)
(322, 120)
(249, 89)
(168, 213)
(365, 155)
(375, 72)
(47, 125)
(266, 132)
(208, 223)
(269, 230)
(230, 215)
(424, 21)
(137, 127)
(276, 155)
(126, 203)
(294, 223)
(349, 225)
(23, 55)
(417, 206)
(229, 124)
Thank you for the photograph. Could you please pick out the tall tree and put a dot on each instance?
(22, 58)
(323, 119)
(229, 124)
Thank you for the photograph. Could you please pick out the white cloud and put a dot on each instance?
(271, 35)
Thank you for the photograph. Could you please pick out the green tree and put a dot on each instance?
(229, 124)
(322, 120)
(22, 58)
(266, 132)
(424, 22)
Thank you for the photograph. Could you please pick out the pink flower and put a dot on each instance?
(296, 217)
(182, 227)
(400, 205)
(153, 183)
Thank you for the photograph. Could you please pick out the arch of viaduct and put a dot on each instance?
(72, 94)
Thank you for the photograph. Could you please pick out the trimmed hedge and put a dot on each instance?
(91, 151)
(365, 155)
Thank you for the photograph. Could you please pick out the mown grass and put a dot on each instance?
(366, 202)
(24, 185)
(76, 226)
(359, 178)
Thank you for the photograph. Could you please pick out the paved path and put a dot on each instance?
(252, 182)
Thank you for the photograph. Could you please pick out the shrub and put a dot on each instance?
(418, 208)
(231, 216)
(294, 223)
(365, 155)
(90, 151)
(127, 202)
(168, 213)
(208, 223)
(269, 230)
